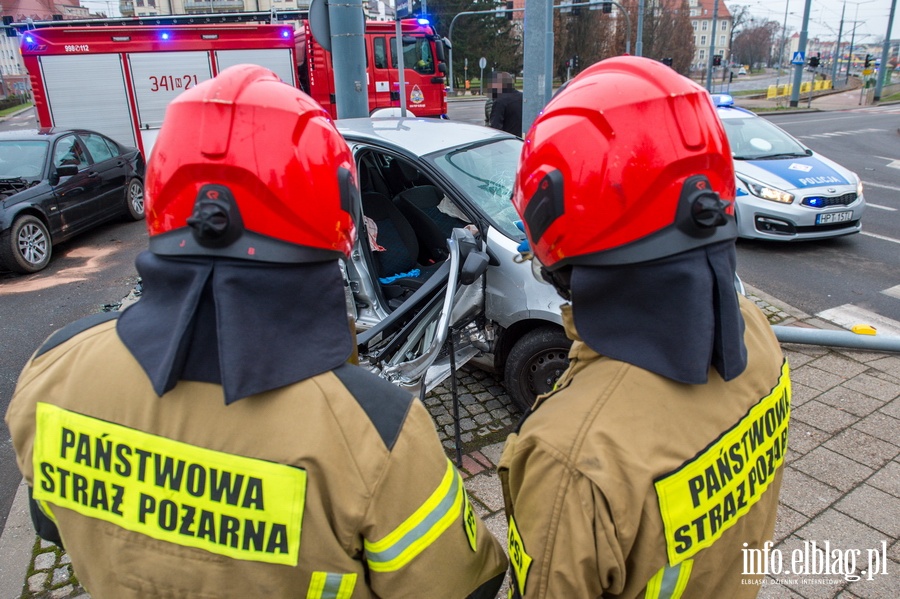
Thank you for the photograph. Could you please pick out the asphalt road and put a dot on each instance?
(848, 277)
(85, 274)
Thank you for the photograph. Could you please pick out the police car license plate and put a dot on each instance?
(833, 217)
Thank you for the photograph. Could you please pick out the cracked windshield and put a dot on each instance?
(487, 173)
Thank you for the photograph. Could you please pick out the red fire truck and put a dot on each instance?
(423, 59)
(119, 79)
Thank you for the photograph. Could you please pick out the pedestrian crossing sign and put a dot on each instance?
(798, 58)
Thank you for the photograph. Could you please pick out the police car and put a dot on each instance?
(786, 191)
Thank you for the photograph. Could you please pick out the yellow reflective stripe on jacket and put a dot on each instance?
(670, 581)
(421, 529)
(326, 585)
(243, 508)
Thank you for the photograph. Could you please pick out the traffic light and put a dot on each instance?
(717, 60)
(607, 7)
(868, 60)
(813, 61)
(576, 62)
(509, 11)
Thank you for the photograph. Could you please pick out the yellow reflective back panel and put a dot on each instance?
(240, 507)
(707, 495)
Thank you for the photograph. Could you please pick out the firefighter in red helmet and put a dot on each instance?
(656, 461)
(213, 441)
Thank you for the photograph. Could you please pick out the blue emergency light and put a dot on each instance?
(285, 33)
(423, 21)
(164, 35)
(722, 100)
(815, 202)
(29, 39)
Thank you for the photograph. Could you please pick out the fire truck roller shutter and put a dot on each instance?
(277, 60)
(87, 91)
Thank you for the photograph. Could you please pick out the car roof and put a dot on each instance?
(42, 134)
(418, 136)
(726, 108)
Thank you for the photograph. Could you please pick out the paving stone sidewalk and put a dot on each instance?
(841, 480)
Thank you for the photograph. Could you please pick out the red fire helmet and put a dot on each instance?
(628, 163)
(246, 166)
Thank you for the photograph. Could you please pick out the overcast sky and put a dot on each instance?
(870, 17)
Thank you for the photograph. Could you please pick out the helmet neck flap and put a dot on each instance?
(676, 316)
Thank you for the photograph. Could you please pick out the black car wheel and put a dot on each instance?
(535, 363)
(26, 246)
(134, 199)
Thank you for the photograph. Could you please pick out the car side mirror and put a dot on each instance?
(442, 67)
(439, 50)
(64, 170)
(474, 266)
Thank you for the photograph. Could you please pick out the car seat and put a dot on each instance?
(420, 207)
(403, 175)
(370, 177)
(400, 249)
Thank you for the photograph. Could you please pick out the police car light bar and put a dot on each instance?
(722, 99)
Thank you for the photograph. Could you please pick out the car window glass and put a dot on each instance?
(97, 146)
(486, 174)
(416, 54)
(68, 151)
(755, 137)
(22, 159)
(380, 53)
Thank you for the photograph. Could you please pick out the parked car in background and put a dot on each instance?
(785, 190)
(57, 183)
(420, 180)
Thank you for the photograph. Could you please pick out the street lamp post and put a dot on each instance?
(783, 36)
(837, 53)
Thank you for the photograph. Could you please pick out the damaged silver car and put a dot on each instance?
(433, 282)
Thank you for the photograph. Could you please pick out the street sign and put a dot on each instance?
(799, 58)
(482, 62)
(403, 8)
(320, 23)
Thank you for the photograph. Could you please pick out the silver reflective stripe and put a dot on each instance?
(327, 585)
(669, 582)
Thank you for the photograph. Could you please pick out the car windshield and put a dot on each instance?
(758, 139)
(486, 173)
(22, 159)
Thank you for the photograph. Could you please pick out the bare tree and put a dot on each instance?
(753, 44)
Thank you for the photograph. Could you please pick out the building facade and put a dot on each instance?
(710, 32)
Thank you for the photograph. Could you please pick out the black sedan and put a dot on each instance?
(57, 183)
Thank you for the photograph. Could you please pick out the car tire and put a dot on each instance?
(535, 363)
(26, 246)
(134, 199)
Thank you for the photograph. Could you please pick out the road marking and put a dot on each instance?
(849, 315)
(880, 186)
(880, 207)
(876, 236)
(839, 133)
(893, 291)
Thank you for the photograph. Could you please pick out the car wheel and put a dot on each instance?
(26, 245)
(134, 199)
(535, 363)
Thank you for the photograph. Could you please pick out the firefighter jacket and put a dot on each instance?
(336, 486)
(624, 483)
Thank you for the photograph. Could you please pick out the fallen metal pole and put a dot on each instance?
(806, 336)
